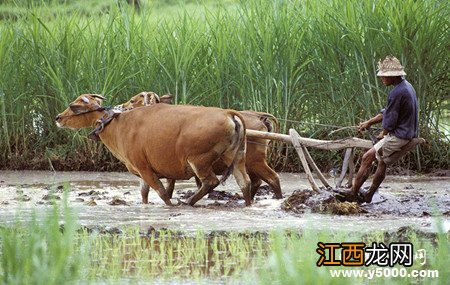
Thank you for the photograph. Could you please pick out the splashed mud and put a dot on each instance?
(319, 202)
(113, 200)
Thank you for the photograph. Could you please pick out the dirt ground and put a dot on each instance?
(112, 200)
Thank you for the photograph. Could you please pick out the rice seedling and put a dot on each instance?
(174, 256)
(41, 251)
(292, 259)
(54, 249)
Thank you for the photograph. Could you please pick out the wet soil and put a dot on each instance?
(406, 202)
(112, 200)
(323, 201)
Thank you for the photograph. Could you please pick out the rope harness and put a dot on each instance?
(102, 123)
(77, 113)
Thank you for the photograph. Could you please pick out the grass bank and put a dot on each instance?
(310, 63)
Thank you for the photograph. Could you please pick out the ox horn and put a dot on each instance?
(156, 98)
(98, 96)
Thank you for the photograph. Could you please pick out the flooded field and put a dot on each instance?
(112, 201)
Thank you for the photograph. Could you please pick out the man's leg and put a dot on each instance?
(378, 177)
(364, 171)
(361, 177)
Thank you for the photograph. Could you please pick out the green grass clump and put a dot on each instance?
(41, 252)
(310, 63)
(292, 259)
(170, 256)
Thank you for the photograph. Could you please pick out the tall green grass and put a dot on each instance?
(310, 63)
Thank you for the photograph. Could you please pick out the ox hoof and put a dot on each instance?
(349, 196)
(278, 196)
(345, 195)
(168, 202)
(181, 203)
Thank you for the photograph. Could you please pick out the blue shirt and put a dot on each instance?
(401, 115)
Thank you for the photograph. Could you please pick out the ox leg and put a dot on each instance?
(270, 177)
(209, 181)
(153, 181)
(198, 182)
(242, 178)
(255, 183)
(240, 174)
(170, 187)
(145, 189)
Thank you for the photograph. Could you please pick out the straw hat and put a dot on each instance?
(390, 66)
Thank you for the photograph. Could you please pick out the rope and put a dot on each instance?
(307, 123)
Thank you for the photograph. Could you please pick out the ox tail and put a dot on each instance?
(238, 144)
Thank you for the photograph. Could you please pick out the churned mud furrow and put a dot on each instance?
(113, 200)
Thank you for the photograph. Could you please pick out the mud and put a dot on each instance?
(112, 200)
(407, 203)
(323, 201)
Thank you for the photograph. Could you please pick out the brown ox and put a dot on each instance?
(166, 141)
(256, 164)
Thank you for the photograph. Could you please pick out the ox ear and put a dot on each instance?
(77, 109)
(166, 99)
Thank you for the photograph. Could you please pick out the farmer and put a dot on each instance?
(400, 124)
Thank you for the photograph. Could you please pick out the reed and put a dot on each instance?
(310, 63)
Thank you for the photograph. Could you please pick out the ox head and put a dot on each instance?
(81, 113)
(145, 99)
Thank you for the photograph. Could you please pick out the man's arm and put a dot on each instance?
(366, 124)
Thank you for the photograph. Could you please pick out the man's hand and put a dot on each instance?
(382, 134)
(363, 126)
(366, 124)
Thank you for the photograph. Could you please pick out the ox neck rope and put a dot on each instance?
(99, 108)
(102, 123)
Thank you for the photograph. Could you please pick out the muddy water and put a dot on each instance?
(113, 200)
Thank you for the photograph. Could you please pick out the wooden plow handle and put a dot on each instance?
(300, 143)
(320, 144)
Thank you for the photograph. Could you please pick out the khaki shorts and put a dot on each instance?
(388, 145)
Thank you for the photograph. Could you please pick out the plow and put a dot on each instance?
(301, 145)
